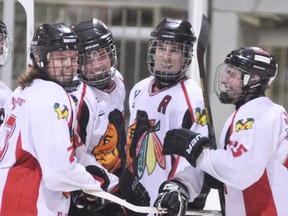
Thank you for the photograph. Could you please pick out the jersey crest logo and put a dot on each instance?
(110, 152)
(240, 125)
(61, 114)
(201, 117)
(145, 146)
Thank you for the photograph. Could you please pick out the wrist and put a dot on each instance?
(195, 149)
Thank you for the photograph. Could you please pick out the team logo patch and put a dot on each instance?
(201, 117)
(61, 113)
(145, 145)
(110, 149)
(241, 125)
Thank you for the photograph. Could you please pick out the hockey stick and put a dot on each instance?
(203, 40)
(145, 209)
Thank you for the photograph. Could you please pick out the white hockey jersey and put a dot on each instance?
(37, 161)
(151, 116)
(100, 116)
(253, 160)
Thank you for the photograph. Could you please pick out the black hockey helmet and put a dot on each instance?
(258, 69)
(179, 32)
(49, 38)
(175, 30)
(93, 36)
(5, 46)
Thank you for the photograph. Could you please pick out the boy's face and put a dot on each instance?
(62, 65)
(168, 57)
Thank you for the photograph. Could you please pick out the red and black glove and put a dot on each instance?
(185, 143)
(86, 204)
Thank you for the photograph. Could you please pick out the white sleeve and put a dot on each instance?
(191, 177)
(249, 152)
(49, 132)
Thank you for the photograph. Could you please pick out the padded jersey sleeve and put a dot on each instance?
(50, 117)
(249, 151)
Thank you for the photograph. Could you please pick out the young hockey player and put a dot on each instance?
(5, 53)
(100, 115)
(37, 164)
(100, 97)
(5, 45)
(165, 100)
(252, 160)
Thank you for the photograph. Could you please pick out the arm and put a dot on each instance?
(52, 142)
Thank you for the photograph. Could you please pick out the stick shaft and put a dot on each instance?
(203, 40)
(145, 209)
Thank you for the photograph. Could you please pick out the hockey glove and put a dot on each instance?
(199, 202)
(185, 143)
(211, 182)
(86, 204)
(173, 197)
(100, 175)
(130, 189)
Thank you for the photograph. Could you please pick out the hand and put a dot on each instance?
(130, 189)
(185, 143)
(173, 197)
(211, 182)
(86, 204)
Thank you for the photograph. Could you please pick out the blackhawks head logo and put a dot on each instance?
(110, 152)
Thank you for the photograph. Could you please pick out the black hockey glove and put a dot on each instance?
(172, 197)
(130, 189)
(86, 204)
(211, 182)
(185, 143)
(100, 175)
(199, 202)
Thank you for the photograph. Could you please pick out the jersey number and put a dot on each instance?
(10, 126)
(237, 149)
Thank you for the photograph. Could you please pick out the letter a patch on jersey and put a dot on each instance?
(61, 113)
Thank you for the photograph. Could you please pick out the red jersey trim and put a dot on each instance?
(21, 189)
(258, 198)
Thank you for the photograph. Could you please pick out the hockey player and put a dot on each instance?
(100, 114)
(165, 100)
(5, 53)
(252, 160)
(5, 45)
(37, 164)
(100, 97)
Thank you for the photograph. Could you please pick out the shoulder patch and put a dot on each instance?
(61, 113)
(244, 125)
